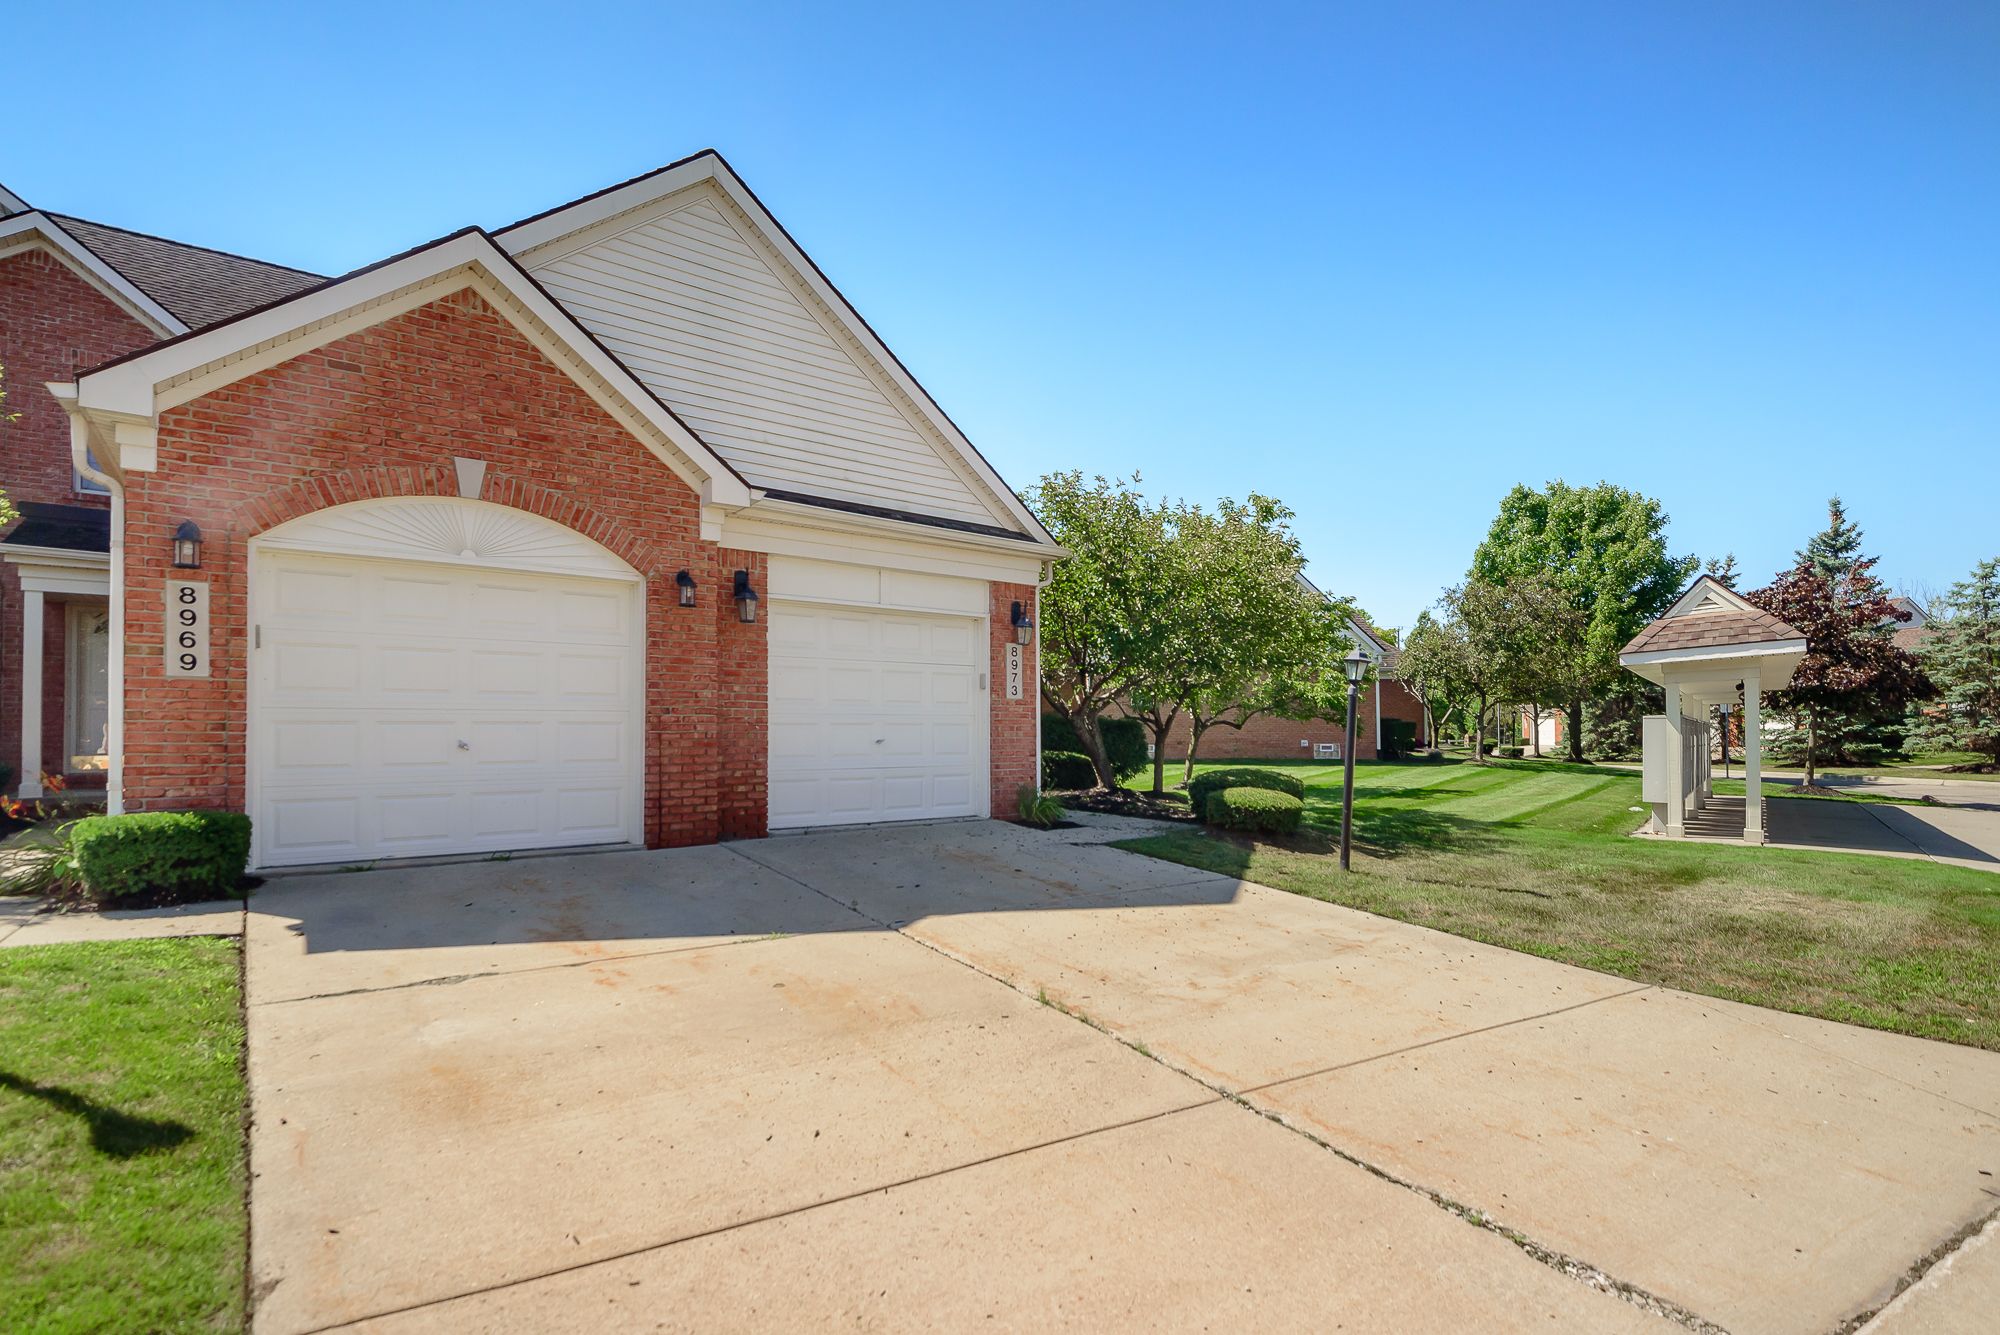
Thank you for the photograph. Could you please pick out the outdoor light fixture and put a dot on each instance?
(1024, 629)
(1355, 665)
(686, 583)
(746, 598)
(187, 546)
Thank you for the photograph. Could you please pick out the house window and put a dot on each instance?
(87, 701)
(88, 486)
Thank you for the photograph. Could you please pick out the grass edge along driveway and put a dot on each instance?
(1539, 858)
(122, 1154)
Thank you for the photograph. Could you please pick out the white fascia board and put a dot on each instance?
(710, 168)
(1368, 640)
(1765, 649)
(128, 392)
(785, 528)
(27, 230)
(1703, 585)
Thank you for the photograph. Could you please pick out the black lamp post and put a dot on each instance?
(1355, 665)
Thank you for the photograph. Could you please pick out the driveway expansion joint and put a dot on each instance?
(737, 1225)
(1937, 1256)
(1561, 1262)
(451, 979)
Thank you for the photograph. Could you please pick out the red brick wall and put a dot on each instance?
(1015, 723)
(744, 700)
(1268, 738)
(52, 323)
(382, 412)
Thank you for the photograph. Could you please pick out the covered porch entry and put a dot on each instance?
(1713, 652)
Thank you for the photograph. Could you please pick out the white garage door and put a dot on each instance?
(406, 710)
(875, 716)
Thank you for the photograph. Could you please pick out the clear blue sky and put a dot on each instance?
(1382, 266)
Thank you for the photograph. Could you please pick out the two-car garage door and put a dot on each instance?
(876, 715)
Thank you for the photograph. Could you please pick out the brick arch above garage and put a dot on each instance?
(384, 411)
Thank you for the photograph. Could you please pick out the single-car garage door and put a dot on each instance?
(875, 716)
(402, 709)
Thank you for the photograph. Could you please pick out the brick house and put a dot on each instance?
(1269, 738)
(614, 526)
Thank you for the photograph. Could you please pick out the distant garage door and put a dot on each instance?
(875, 716)
(403, 709)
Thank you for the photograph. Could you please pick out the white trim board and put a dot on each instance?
(129, 394)
(37, 231)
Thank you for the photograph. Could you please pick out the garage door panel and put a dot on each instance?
(359, 722)
(409, 670)
(875, 715)
(412, 601)
(317, 594)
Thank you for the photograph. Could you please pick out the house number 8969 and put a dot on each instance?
(187, 628)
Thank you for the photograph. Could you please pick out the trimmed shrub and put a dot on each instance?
(1257, 809)
(1068, 769)
(1510, 752)
(1215, 780)
(162, 854)
(1124, 742)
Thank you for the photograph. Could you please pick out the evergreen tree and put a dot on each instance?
(1722, 569)
(1962, 658)
(1836, 549)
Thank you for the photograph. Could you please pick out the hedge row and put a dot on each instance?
(162, 854)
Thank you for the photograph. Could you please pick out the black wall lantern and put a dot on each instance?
(686, 583)
(1024, 629)
(746, 598)
(187, 546)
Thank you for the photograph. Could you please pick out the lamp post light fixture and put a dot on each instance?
(685, 582)
(746, 598)
(187, 546)
(1024, 629)
(1355, 665)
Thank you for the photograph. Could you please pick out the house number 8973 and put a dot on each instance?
(187, 628)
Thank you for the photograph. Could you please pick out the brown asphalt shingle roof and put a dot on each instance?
(1711, 630)
(198, 285)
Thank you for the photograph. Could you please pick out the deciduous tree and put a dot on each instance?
(1605, 548)
(1851, 659)
(1107, 608)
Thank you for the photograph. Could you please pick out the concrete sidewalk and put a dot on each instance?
(27, 922)
(813, 1080)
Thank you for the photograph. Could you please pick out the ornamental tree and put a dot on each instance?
(1852, 661)
(1109, 608)
(1262, 640)
(1605, 548)
(1961, 656)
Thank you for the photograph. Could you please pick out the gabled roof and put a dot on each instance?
(170, 285)
(675, 267)
(1711, 615)
(134, 388)
(199, 285)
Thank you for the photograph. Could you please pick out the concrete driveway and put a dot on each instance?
(970, 1074)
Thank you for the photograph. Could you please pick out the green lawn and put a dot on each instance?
(121, 1137)
(1535, 856)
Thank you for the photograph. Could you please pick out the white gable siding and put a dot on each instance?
(697, 313)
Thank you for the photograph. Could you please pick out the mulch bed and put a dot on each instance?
(1125, 802)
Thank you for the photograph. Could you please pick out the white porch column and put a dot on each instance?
(32, 648)
(1676, 764)
(1753, 757)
